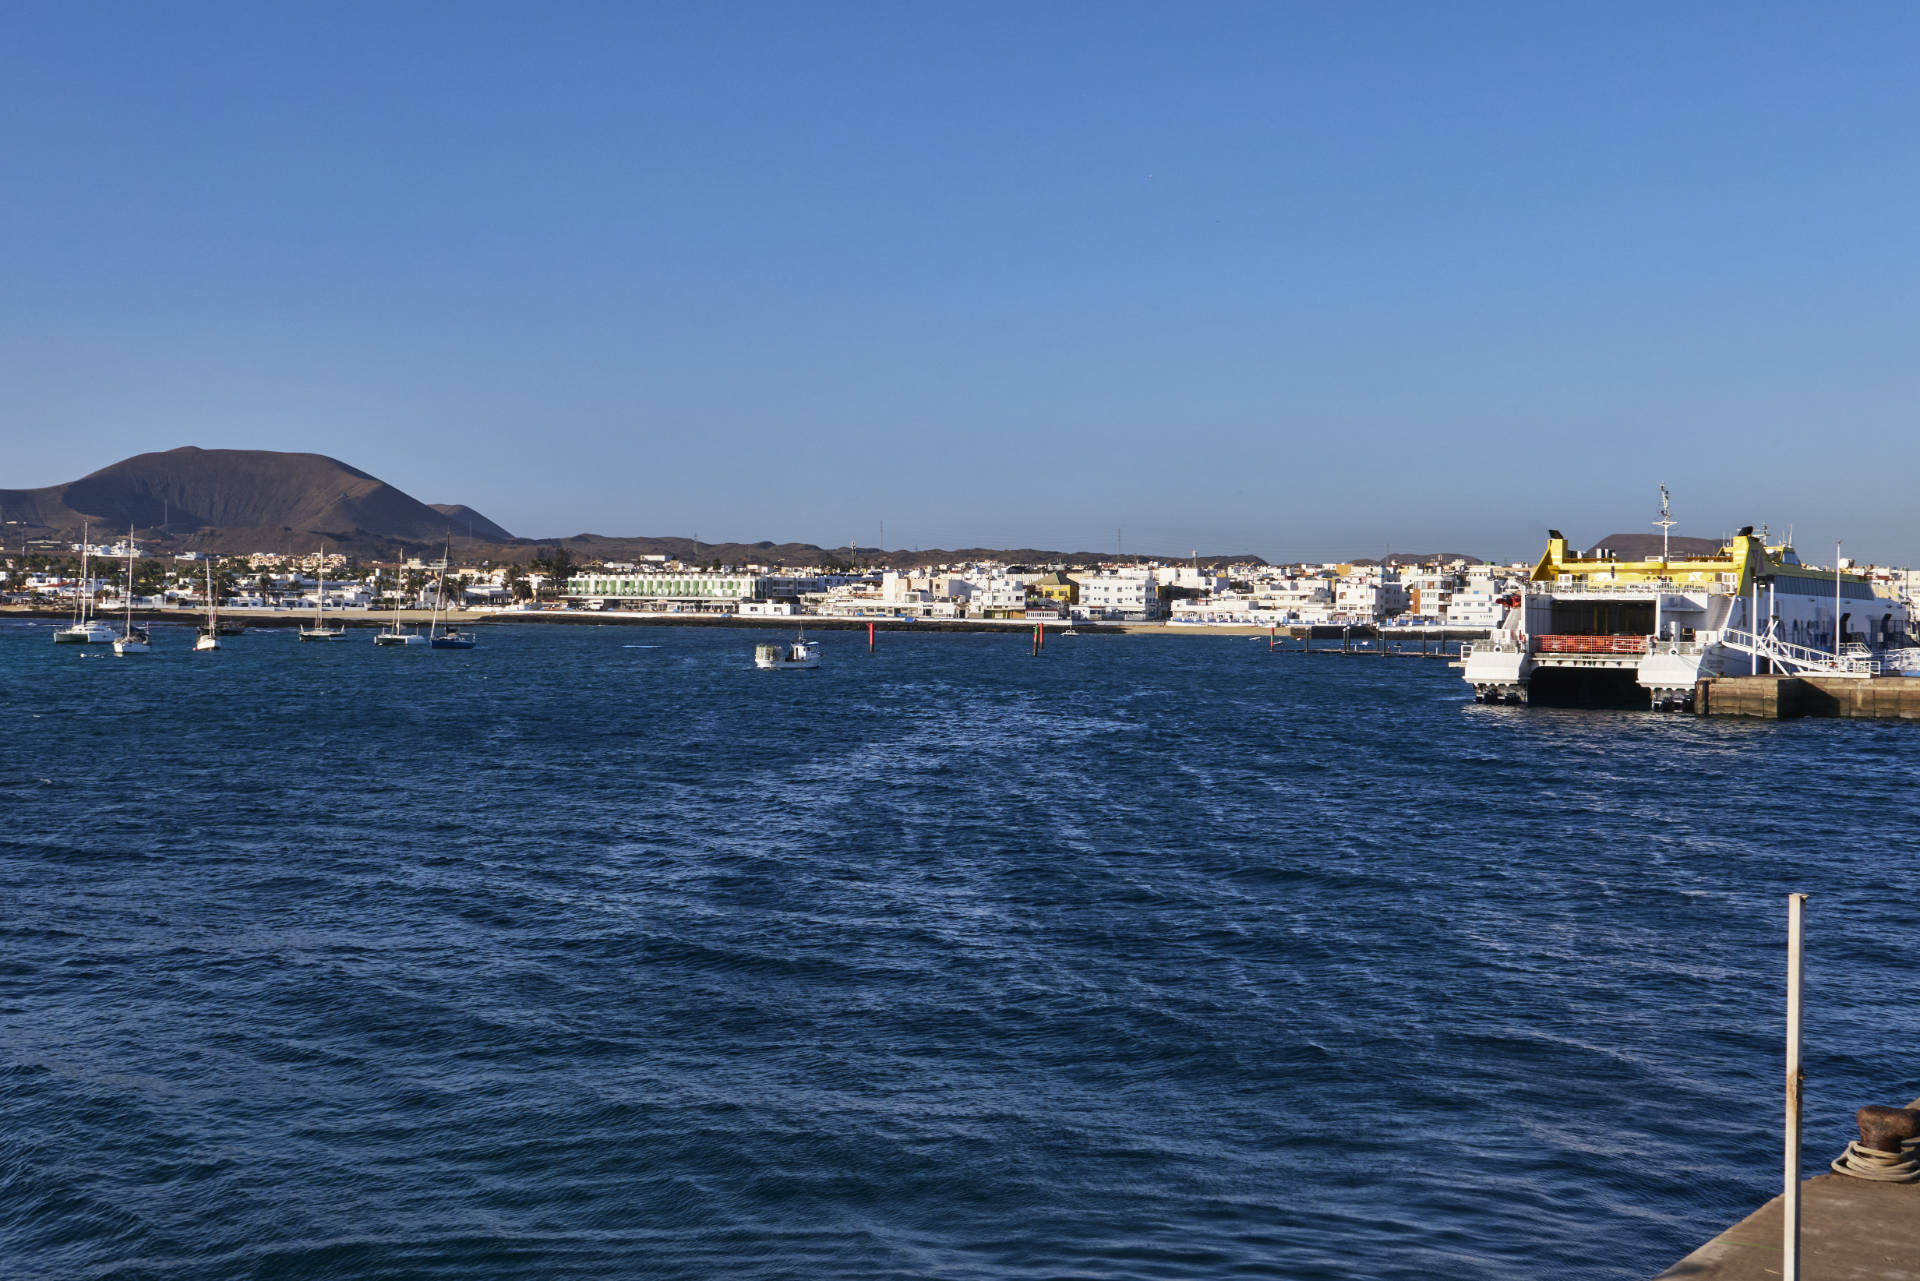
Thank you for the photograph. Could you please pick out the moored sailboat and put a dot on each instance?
(209, 637)
(320, 631)
(452, 638)
(83, 631)
(132, 640)
(395, 634)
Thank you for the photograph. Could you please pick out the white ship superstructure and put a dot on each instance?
(1598, 630)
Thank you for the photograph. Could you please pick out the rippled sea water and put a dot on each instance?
(595, 953)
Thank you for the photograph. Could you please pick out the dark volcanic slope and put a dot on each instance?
(189, 489)
(1647, 546)
(465, 522)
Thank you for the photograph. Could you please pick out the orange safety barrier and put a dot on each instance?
(1590, 644)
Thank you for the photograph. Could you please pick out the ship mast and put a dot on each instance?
(1666, 524)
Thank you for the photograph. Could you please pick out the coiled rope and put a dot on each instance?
(1859, 1162)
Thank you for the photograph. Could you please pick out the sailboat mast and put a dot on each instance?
(129, 580)
(80, 605)
(440, 590)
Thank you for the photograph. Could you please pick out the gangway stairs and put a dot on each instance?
(1800, 660)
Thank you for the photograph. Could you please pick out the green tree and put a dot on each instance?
(149, 577)
(558, 565)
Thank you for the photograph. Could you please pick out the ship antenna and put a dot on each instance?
(1666, 524)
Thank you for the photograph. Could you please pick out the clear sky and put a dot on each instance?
(1301, 280)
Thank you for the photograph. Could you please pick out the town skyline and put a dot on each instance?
(139, 481)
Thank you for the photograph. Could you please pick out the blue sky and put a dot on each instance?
(1300, 280)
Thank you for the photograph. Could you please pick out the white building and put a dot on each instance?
(999, 596)
(667, 588)
(1368, 595)
(1124, 594)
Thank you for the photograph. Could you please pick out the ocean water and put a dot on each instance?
(595, 953)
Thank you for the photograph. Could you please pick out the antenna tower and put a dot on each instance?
(1666, 524)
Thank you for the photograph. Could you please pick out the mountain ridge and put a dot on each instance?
(182, 492)
(244, 500)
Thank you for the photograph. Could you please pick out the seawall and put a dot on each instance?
(1786, 697)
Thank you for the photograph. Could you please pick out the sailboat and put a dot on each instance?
(83, 632)
(394, 635)
(131, 641)
(320, 631)
(209, 637)
(452, 638)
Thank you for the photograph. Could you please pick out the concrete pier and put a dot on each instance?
(1786, 697)
(1850, 1230)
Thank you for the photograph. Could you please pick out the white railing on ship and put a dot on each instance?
(1853, 660)
(1662, 587)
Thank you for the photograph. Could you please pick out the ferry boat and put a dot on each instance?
(1596, 630)
(794, 653)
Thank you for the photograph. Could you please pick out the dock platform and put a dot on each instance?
(1850, 1230)
(1786, 697)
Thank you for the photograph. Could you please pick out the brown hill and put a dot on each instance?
(1647, 546)
(193, 492)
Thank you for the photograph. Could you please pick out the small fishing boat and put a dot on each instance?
(795, 653)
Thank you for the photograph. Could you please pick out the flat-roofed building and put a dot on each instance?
(665, 587)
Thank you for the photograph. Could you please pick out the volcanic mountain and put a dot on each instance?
(245, 500)
(190, 491)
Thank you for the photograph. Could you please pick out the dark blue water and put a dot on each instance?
(595, 953)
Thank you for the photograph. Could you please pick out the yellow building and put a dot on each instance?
(1056, 588)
